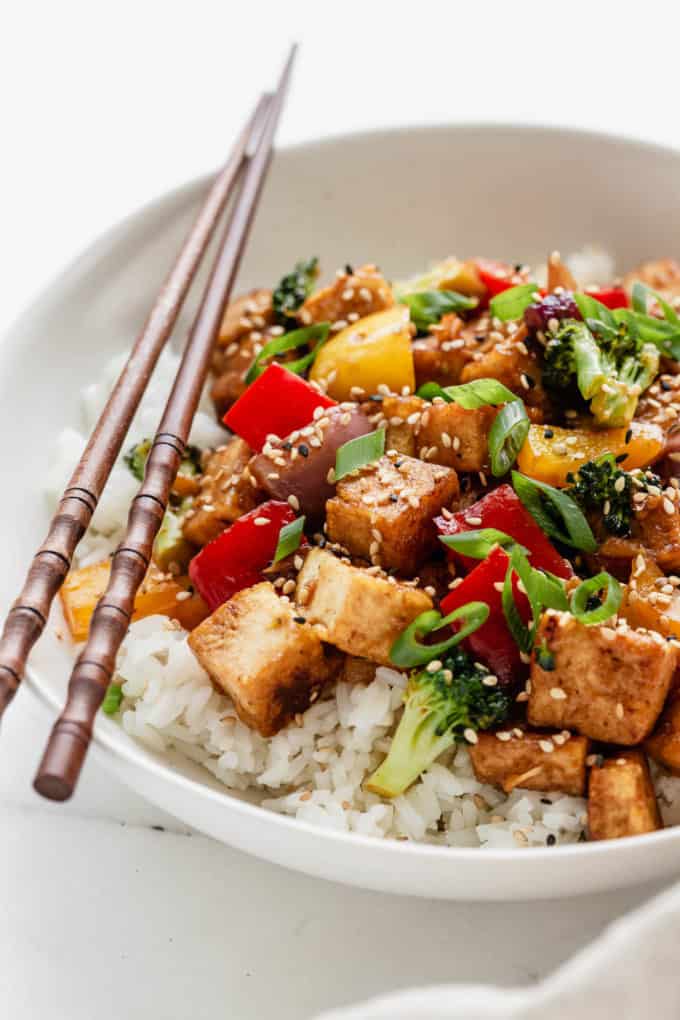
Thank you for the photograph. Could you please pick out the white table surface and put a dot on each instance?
(105, 106)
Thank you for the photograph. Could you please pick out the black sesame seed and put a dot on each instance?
(629, 436)
(377, 397)
(398, 463)
(550, 839)
(480, 337)
(518, 267)
(530, 381)
(621, 457)
(548, 434)
(665, 385)
(393, 498)
(349, 269)
(303, 450)
(300, 619)
(545, 800)
(286, 446)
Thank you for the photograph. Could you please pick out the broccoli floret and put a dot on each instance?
(609, 372)
(293, 289)
(137, 455)
(440, 707)
(602, 487)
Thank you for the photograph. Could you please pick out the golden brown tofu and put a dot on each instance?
(251, 311)
(511, 363)
(607, 684)
(442, 356)
(662, 275)
(534, 761)
(401, 416)
(357, 294)
(664, 744)
(649, 601)
(621, 798)
(256, 650)
(386, 513)
(449, 434)
(660, 404)
(656, 525)
(226, 492)
(360, 613)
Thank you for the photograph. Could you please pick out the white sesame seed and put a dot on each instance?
(619, 711)
(260, 521)
(557, 693)
(547, 746)
(503, 735)
(474, 522)
(470, 736)
(181, 596)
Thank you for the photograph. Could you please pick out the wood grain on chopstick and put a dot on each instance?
(28, 615)
(65, 752)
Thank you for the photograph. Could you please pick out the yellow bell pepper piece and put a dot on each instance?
(371, 351)
(158, 593)
(550, 458)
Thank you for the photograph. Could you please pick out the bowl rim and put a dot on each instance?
(113, 750)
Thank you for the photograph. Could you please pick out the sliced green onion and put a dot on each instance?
(507, 436)
(478, 393)
(290, 537)
(591, 308)
(356, 453)
(664, 334)
(477, 543)
(511, 303)
(555, 513)
(112, 699)
(542, 589)
(407, 650)
(288, 342)
(516, 625)
(429, 306)
(640, 296)
(593, 586)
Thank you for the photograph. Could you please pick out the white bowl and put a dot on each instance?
(400, 198)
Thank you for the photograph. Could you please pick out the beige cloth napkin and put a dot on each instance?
(631, 972)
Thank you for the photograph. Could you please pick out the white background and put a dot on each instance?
(105, 105)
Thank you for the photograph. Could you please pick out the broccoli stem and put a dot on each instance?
(415, 745)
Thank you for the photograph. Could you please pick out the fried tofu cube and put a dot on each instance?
(664, 744)
(226, 492)
(358, 293)
(656, 525)
(442, 356)
(451, 435)
(386, 513)
(250, 311)
(255, 649)
(512, 365)
(621, 798)
(360, 613)
(533, 761)
(607, 684)
(401, 416)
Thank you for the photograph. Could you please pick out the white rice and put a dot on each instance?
(313, 769)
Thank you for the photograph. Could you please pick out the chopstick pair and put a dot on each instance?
(242, 176)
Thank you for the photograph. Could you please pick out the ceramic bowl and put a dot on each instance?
(401, 198)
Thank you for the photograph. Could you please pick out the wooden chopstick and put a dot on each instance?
(27, 617)
(67, 746)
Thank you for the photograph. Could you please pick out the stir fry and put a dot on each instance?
(469, 477)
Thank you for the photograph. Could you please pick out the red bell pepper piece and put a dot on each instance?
(492, 643)
(236, 558)
(502, 509)
(496, 276)
(278, 402)
(612, 297)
